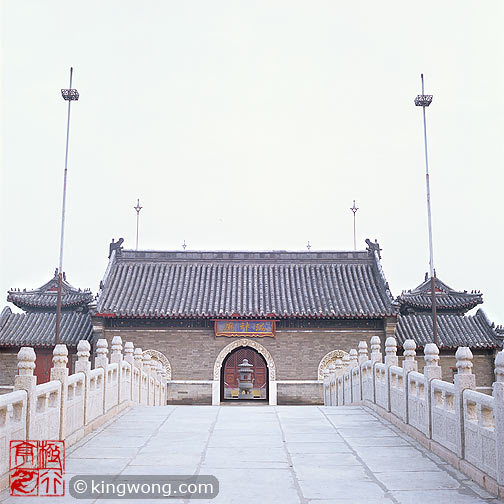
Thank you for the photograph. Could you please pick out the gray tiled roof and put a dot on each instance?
(454, 330)
(244, 284)
(46, 297)
(38, 328)
(447, 299)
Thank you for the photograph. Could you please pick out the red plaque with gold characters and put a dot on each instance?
(248, 328)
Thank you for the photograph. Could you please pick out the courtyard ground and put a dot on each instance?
(270, 454)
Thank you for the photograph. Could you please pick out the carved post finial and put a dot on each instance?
(354, 359)
(376, 355)
(431, 355)
(363, 352)
(409, 364)
(60, 356)
(116, 353)
(138, 358)
(146, 360)
(26, 361)
(464, 358)
(499, 366)
(391, 352)
(83, 353)
(101, 359)
(128, 352)
(346, 361)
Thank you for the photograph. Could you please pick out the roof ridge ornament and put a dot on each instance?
(115, 245)
(373, 247)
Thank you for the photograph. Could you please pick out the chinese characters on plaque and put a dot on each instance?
(249, 328)
(36, 468)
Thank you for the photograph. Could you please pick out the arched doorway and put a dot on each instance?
(229, 380)
(238, 343)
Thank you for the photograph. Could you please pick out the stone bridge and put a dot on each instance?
(271, 454)
(386, 434)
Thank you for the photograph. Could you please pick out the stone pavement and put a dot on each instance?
(271, 454)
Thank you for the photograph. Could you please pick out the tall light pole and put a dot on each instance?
(354, 210)
(424, 101)
(137, 209)
(69, 95)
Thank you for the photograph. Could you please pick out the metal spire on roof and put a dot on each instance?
(354, 210)
(424, 101)
(184, 245)
(137, 208)
(68, 95)
(308, 246)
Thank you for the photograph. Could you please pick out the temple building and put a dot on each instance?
(36, 327)
(247, 326)
(455, 327)
(289, 314)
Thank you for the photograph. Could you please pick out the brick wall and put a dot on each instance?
(300, 393)
(8, 368)
(192, 352)
(483, 366)
(190, 393)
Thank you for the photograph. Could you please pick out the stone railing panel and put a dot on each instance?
(381, 386)
(112, 386)
(12, 423)
(419, 402)
(397, 392)
(356, 385)
(95, 394)
(479, 431)
(144, 388)
(45, 416)
(125, 382)
(367, 381)
(135, 386)
(75, 405)
(347, 387)
(339, 390)
(444, 414)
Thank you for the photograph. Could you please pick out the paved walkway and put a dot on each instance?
(267, 454)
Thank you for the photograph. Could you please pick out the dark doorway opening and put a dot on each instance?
(230, 390)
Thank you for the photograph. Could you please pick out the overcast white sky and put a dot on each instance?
(254, 125)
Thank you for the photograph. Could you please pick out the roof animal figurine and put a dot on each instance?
(373, 247)
(115, 246)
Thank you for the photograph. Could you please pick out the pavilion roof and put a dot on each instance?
(39, 328)
(45, 297)
(454, 330)
(447, 299)
(225, 284)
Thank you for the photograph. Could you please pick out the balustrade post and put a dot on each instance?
(332, 385)
(128, 357)
(116, 353)
(128, 353)
(146, 358)
(83, 365)
(464, 379)
(25, 380)
(409, 364)
(498, 394)
(138, 363)
(59, 372)
(116, 357)
(376, 355)
(101, 361)
(354, 360)
(391, 358)
(363, 352)
(327, 388)
(432, 369)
